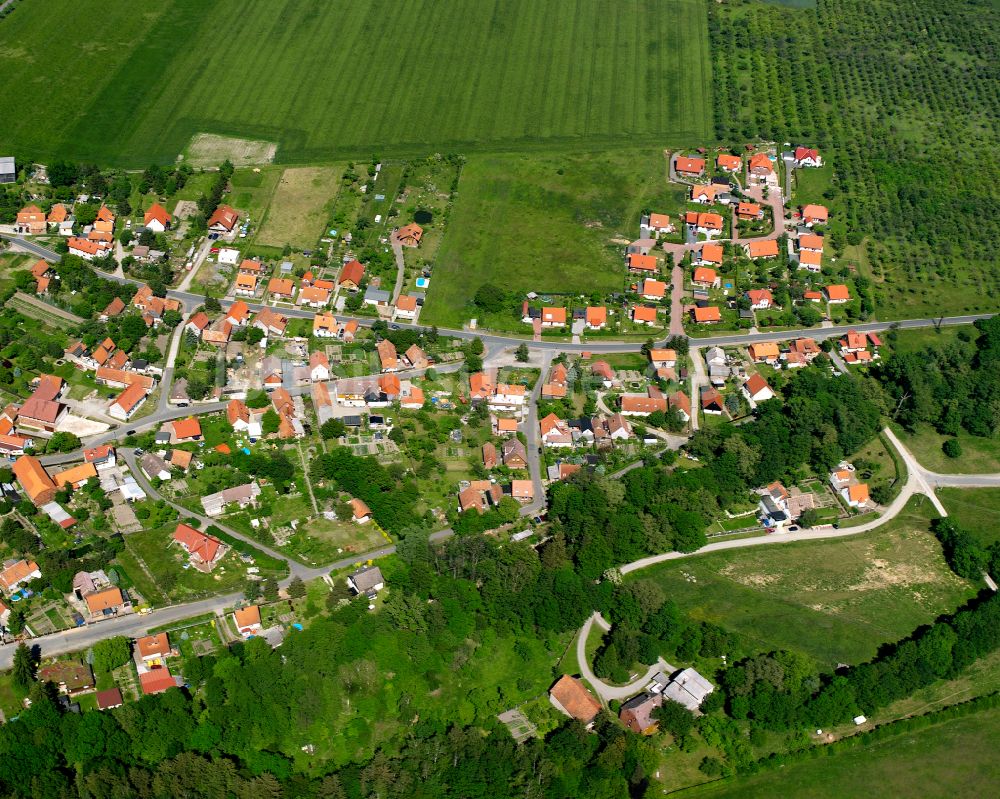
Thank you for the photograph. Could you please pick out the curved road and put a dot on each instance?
(605, 691)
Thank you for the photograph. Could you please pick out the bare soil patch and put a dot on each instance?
(207, 149)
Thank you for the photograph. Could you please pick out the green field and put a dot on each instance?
(552, 223)
(328, 78)
(979, 455)
(836, 601)
(953, 758)
(974, 509)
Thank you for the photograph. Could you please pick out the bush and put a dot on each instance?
(952, 448)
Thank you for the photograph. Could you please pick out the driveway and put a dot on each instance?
(605, 691)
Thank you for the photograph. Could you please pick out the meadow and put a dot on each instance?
(976, 510)
(324, 79)
(553, 223)
(835, 601)
(909, 764)
(300, 207)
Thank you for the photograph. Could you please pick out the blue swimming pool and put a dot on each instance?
(423, 282)
(729, 285)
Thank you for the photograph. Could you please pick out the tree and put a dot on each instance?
(111, 653)
(490, 298)
(63, 442)
(23, 672)
(521, 354)
(333, 428)
(269, 590)
(952, 448)
(296, 588)
(270, 422)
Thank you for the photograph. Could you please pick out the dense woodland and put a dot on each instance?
(903, 100)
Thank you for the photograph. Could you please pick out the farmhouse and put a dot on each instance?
(641, 404)
(637, 713)
(712, 402)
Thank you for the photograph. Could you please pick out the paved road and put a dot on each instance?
(33, 247)
(534, 444)
(605, 691)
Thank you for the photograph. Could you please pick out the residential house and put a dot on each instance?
(351, 275)
(325, 326)
(153, 650)
(319, 366)
(88, 250)
(30, 219)
(811, 242)
(810, 260)
(814, 215)
(704, 276)
(248, 621)
(837, 294)
(69, 676)
(416, 357)
(662, 358)
(756, 389)
(503, 426)
(156, 218)
(641, 404)
(109, 699)
(238, 314)
(367, 580)
(571, 698)
(708, 224)
(603, 370)
(554, 432)
(637, 713)
(522, 490)
(376, 297)
(596, 317)
(687, 166)
(223, 219)
(514, 455)
(107, 602)
(197, 323)
(360, 512)
(410, 235)
(703, 193)
(760, 165)
(479, 496)
(406, 307)
(154, 466)
(652, 289)
(281, 288)
(125, 405)
(680, 402)
(203, 550)
(245, 286)
(181, 459)
(729, 163)
(707, 315)
(805, 347)
(656, 224)
(765, 352)
(508, 397)
(853, 342)
(712, 402)
(270, 322)
(813, 296)
(749, 211)
(762, 248)
(156, 681)
(314, 296)
(856, 495)
(59, 215)
(18, 573)
(553, 317)
(244, 496)
(114, 308)
(411, 396)
(102, 457)
(641, 263)
(760, 299)
(105, 222)
(807, 157)
(185, 430)
(644, 315)
(76, 476)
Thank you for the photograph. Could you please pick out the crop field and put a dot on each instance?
(955, 757)
(299, 208)
(324, 79)
(552, 223)
(836, 601)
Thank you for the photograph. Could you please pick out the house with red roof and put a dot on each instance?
(156, 218)
(760, 165)
(756, 389)
(644, 315)
(814, 215)
(685, 165)
(807, 157)
(762, 248)
(351, 275)
(223, 219)
(596, 317)
(760, 299)
(729, 163)
(203, 550)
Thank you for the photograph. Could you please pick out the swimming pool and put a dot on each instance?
(423, 282)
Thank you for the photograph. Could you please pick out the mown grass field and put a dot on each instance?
(327, 78)
(300, 206)
(979, 455)
(953, 758)
(974, 509)
(552, 223)
(835, 601)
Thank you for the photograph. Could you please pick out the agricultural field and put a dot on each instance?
(909, 764)
(835, 601)
(299, 208)
(544, 223)
(409, 77)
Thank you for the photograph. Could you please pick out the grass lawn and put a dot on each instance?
(974, 509)
(979, 455)
(300, 207)
(952, 758)
(836, 600)
(543, 223)
(417, 78)
(917, 339)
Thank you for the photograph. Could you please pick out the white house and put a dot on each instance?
(319, 367)
(229, 256)
(507, 397)
(756, 389)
